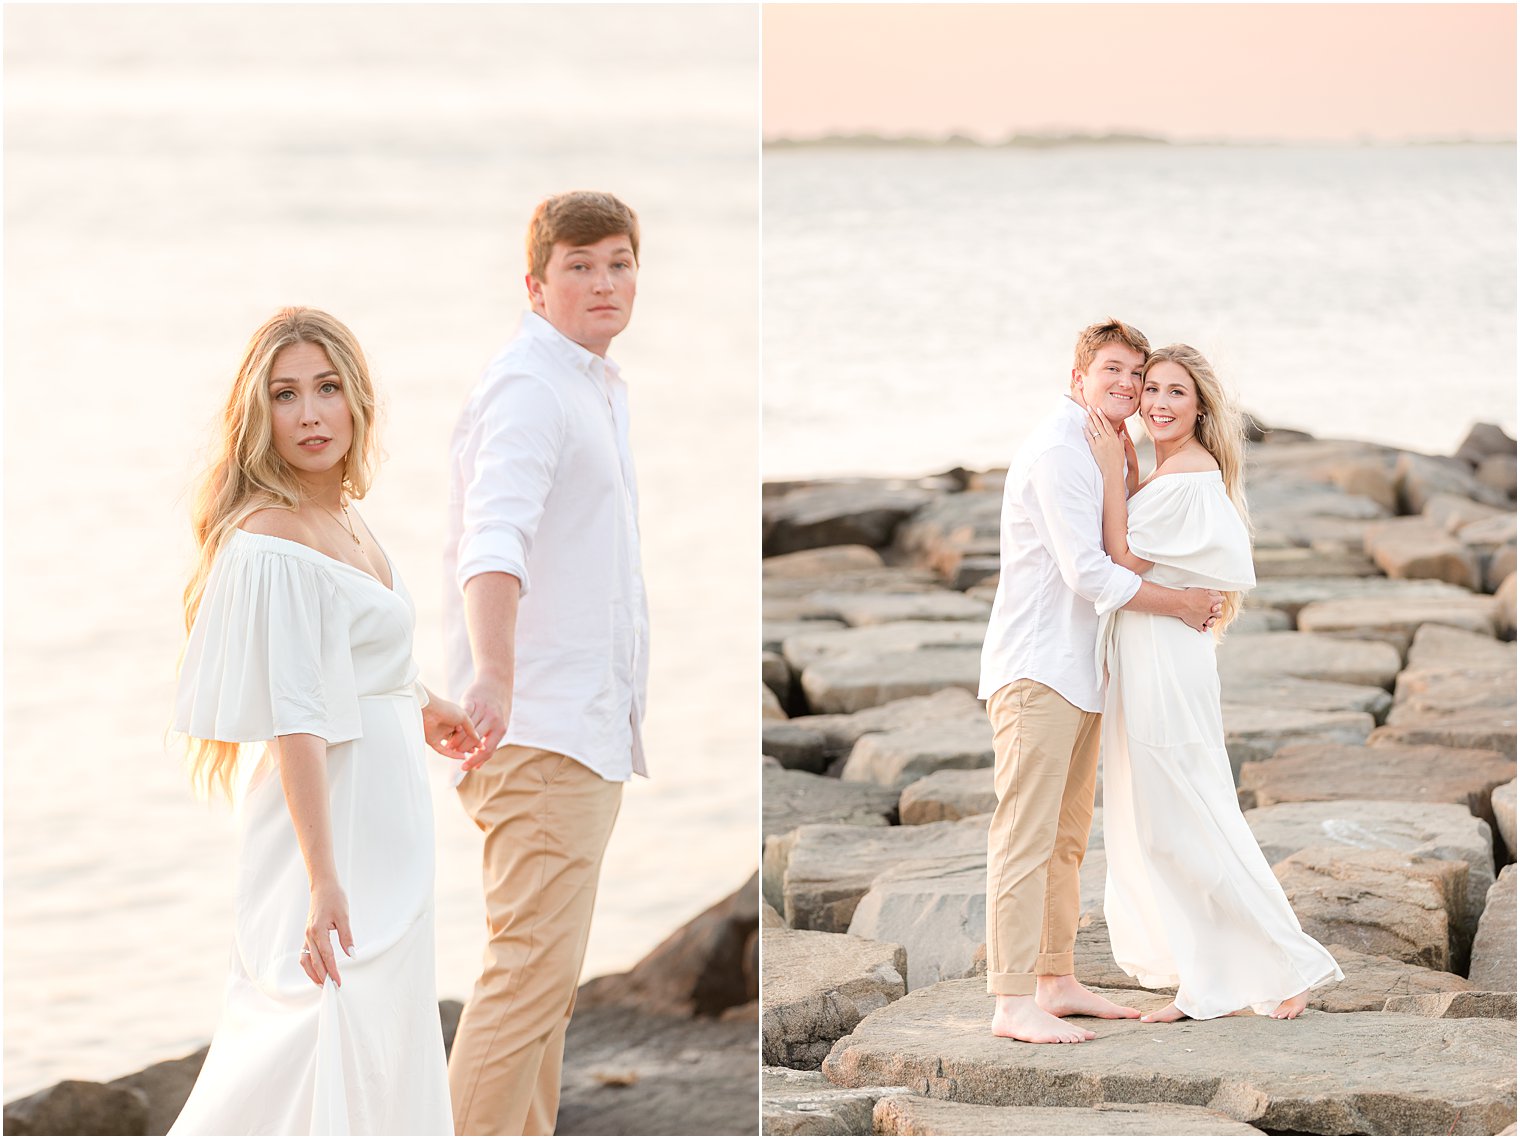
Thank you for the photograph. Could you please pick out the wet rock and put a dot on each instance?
(1396, 622)
(897, 758)
(820, 562)
(79, 1107)
(794, 1102)
(1292, 594)
(1309, 656)
(1316, 1075)
(821, 872)
(1252, 732)
(861, 513)
(1456, 1006)
(854, 681)
(923, 1115)
(1493, 951)
(1372, 980)
(1377, 901)
(790, 799)
(818, 987)
(945, 796)
(1418, 548)
(1503, 800)
(935, 908)
(1317, 772)
(810, 646)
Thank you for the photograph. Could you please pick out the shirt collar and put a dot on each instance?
(579, 358)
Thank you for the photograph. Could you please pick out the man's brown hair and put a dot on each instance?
(581, 217)
(1094, 336)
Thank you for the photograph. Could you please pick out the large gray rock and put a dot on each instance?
(819, 986)
(1260, 621)
(1483, 440)
(1452, 691)
(1253, 732)
(1292, 594)
(864, 609)
(820, 562)
(923, 1115)
(854, 681)
(1299, 561)
(1377, 901)
(943, 533)
(1437, 646)
(1498, 472)
(1420, 477)
(1289, 693)
(1456, 1006)
(790, 799)
(776, 675)
(814, 742)
(771, 710)
(1318, 1075)
(1418, 548)
(1482, 729)
(1427, 830)
(935, 908)
(1493, 951)
(1372, 980)
(807, 646)
(820, 873)
(1380, 619)
(79, 1107)
(773, 634)
(1317, 772)
(1505, 596)
(861, 513)
(1451, 512)
(899, 757)
(948, 795)
(795, 1102)
(1503, 800)
(1310, 656)
(167, 1084)
(796, 598)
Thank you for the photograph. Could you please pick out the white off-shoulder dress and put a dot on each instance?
(1190, 900)
(289, 640)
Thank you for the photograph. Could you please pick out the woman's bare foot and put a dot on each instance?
(1291, 1007)
(1019, 1018)
(1164, 1015)
(1065, 996)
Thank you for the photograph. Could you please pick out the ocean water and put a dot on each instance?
(172, 175)
(921, 303)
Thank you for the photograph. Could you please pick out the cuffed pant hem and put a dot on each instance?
(1010, 984)
(1055, 965)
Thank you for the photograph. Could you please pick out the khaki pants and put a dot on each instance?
(1046, 756)
(547, 819)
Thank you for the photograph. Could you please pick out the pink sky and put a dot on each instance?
(1243, 71)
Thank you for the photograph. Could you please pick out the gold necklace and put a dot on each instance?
(345, 523)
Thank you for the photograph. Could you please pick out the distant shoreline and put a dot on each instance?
(870, 140)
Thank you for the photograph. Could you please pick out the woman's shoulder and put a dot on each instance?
(1189, 462)
(276, 522)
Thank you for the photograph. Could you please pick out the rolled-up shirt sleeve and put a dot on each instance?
(1059, 498)
(510, 455)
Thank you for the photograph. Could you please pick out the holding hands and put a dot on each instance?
(450, 732)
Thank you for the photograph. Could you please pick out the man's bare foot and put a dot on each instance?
(1291, 1007)
(1065, 996)
(1019, 1018)
(1164, 1015)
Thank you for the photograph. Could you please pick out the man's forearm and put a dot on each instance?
(490, 614)
(1153, 598)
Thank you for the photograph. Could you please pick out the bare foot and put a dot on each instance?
(1164, 1015)
(1019, 1018)
(1065, 996)
(1291, 1007)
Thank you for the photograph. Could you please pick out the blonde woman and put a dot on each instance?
(1190, 900)
(300, 638)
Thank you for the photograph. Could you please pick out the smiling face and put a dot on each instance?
(1168, 402)
(587, 291)
(310, 419)
(1111, 383)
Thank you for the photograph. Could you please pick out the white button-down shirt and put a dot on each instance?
(1055, 580)
(541, 486)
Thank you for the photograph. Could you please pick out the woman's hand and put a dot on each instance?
(448, 730)
(1106, 446)
(329, 911)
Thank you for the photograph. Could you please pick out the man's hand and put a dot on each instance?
(489, 706)
(1200, 608)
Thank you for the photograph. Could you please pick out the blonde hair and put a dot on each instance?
(247, 474)
(1222, 431)
(580, 217)
(1094, 336)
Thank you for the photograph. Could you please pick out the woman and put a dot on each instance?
(300, 637)
(1190, 901)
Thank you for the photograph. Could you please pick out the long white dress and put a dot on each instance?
(289, 640)
(1190, 900)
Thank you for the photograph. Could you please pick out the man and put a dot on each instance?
(1044, 694)
(548, 641)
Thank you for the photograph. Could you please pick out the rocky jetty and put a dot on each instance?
(668, 1048)
(1369, 709)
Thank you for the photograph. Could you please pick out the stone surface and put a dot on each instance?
(1418, 548)
(770, 705)
(1427, 830)
(1438, 646)
(1420, 477)
(947, 795)
(862, 513)
(1291, 594)
(1357, 1073)
(1483, 440)
(794, 1102)
(79, 1107)
(818, 987)
(1253, 732)
(1259, 621)
(862, 609)
(1505, 596)
(1452, 691)
(1451, 512)
(1487, 729)
(1316, 772)
(820, 562)
(796, 598)
(854, 681)
(1396, 622)
(1289, 693)
(1372, 980)
(1498, 472)
(899, 757)
(923, 1115)
(167, 1084)
(790, 799)
(1456, 1006)
(806, 646)
(820, 873)
(1493, 951)
(1503, 800)
(814, 742)
(1300, 561)
(1376, 901)
(776, 675)
(1310, 656)
(936, 909)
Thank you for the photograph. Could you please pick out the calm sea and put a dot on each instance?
(174, 174)
(921, 303)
